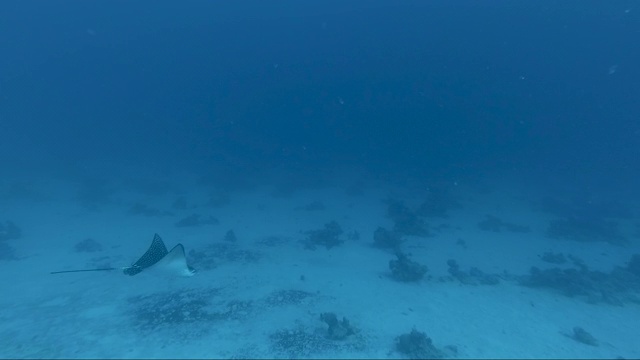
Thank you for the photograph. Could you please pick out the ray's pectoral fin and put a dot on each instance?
(157, 250)
(175, 263)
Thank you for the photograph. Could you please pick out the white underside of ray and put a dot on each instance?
(172, 264)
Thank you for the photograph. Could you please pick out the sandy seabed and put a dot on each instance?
(262, 295)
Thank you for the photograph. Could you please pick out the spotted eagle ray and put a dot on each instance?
(157, 257)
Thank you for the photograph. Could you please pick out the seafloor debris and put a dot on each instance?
(288, 297)
(405, 270)
(620, 285)
(328, 237)
(474, 276)
(230, 236)
(302, 343)
(417, 345)
(186, 313)
(405, 220)
(338, 330)
(582, 336)
(586, 229)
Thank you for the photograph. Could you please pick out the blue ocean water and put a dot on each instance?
(421, 85)
(462, 98)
